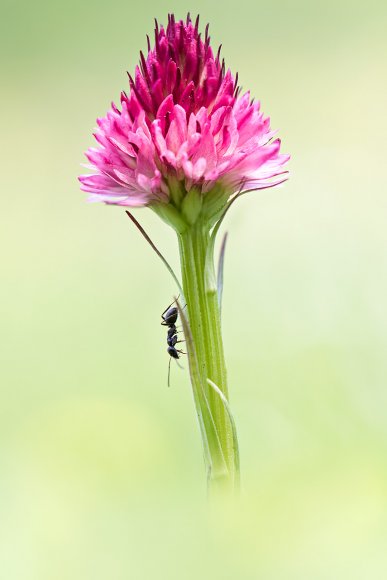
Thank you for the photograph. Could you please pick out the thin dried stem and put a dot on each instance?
(154, 247)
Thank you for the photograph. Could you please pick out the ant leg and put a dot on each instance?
(179, 328)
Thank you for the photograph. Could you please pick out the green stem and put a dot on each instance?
(205, 325)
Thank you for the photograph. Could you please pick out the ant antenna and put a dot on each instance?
(169, 372)
(169, 367)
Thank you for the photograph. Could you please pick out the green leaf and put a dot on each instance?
(192, 205)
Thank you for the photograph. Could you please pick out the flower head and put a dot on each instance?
(184, 125)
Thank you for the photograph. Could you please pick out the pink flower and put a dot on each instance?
(184, 121)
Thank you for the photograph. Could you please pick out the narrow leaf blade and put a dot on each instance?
(233, 428)
(220, 270)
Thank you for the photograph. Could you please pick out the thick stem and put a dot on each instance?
(204, 320)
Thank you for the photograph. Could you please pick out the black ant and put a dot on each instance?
(169, 317)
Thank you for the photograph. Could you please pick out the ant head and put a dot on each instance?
(172, 352)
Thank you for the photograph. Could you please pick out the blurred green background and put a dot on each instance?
(101, 472)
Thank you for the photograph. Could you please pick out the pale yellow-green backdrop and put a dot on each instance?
(101, 473)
